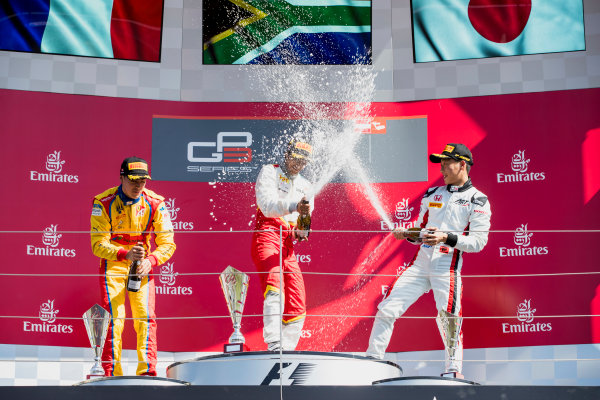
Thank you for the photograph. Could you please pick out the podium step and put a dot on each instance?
(265, 368)
(423, 381)
(131, 381)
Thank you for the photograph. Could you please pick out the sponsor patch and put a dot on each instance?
(138, 165)
(462, 202)
(435, 205)
(444, 249)
(97, 210)
(480, 201)
(284, 179)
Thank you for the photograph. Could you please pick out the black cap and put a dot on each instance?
(299, 149)
(135, 168)
(456, 151)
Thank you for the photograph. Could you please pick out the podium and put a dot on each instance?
(266, 368)
(423, 381)
(133, 380)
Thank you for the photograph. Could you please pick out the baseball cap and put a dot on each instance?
(300, 149)
(135, 168)
(456, 151)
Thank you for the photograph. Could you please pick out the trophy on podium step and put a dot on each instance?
(450, 329)
(235, 287)
(96, 321)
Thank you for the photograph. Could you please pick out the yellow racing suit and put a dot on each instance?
(117, 224)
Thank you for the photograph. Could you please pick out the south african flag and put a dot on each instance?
(286, 31)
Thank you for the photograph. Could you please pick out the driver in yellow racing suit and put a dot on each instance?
(124, 221)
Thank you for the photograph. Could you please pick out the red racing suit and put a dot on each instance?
(117, 224)
(277, 196)
(465, 213)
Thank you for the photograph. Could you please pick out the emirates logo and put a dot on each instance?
(167, 275)
(526, 324)
(518, 163)
(403, 212)
(520, 170)
(174, 214)
(522, 237)
(47, 312)
(524, 311)
(167, 279)
(54, 171)
(50, 237)
(54, 163)
(47, 318)
(170, 204)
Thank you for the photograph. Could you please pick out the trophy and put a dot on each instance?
(450, 326)
(235, 287)
(96, 321)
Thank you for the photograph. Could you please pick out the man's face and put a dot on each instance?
(452, 171)
(294, 165)
(133, 188)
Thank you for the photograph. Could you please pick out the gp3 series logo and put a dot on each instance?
(226, 150)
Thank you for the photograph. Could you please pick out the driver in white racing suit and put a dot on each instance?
(452, 219)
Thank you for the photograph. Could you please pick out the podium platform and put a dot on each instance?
(266, 368)
(133, 380)
(423, 381)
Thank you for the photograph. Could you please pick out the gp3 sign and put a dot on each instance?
(227, 150)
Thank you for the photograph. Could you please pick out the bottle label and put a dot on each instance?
(134, 285)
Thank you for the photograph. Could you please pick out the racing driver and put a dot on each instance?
(281, 195)
(123, 219)
(453, 219)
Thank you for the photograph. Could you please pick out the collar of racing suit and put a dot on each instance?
(466, 186)
(125, 199)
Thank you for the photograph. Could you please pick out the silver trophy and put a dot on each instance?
(235, 287)
(450, 326)
(96, 321)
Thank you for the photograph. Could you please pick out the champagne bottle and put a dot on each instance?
(134, 281)
(414, 235)
(303, 224)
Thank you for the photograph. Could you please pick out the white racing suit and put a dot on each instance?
(463, 212)
(277, 197)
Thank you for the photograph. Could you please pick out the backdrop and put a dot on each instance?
(535, 158)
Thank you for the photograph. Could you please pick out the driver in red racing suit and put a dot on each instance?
(281, 194)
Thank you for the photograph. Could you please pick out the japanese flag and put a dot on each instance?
(462, 29)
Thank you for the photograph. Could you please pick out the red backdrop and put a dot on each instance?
(534, 158)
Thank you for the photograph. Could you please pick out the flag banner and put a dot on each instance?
(324, 32)
(462, 29)
(122, 29)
